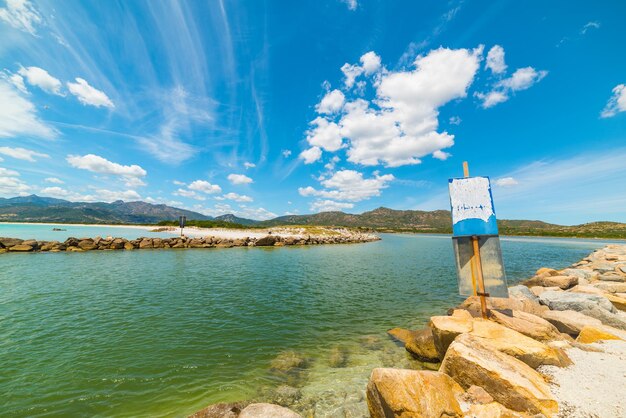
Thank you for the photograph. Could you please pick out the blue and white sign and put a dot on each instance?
(472, 207)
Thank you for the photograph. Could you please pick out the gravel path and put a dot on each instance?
(595, 385)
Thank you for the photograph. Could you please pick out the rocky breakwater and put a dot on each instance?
(503, 366)
(110, 243)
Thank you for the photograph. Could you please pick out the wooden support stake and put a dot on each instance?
(476, 265)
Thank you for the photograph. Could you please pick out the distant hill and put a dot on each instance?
(45, 209)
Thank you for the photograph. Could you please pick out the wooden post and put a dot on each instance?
(476, 265)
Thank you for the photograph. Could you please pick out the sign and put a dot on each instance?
(472, 207)
(181, 221)
(493, 275)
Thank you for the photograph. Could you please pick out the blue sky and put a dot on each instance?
(265, 108)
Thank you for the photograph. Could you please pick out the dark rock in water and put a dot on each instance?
(87, 245)
(267, 241)
(284, 395)
(371, 342)
(71, 242)
(289, 367)
(338, 357)
(58, 229)
(421, 345)
(221, 410)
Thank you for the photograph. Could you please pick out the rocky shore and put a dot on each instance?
(110, 243)
(555, 348)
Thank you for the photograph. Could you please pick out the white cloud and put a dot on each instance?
(349, 185)
(236, 197)
(239, 179)
(100, 195)
(286, 153)
(351, 72)
(89, 95)
(495, 60)
(21, 14)
(18, 81)
(242, 212)
(39, 77)
(11, 184)
(53, 180)
(521, 79)
(190, 194)
(19, 117)
(311, 155)
(370, 62)
(22, 153)
(455, 120)
(352, 4)
(111, 196)
(590, 25)
(329, 206)
(324, 134)
(331, 103)
(617, 102)
(506, 182)
(441, 155)
(178, 183)
(205, 186)
(249, 165)
(130, 174)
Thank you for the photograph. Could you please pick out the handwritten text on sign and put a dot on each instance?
(470, 199)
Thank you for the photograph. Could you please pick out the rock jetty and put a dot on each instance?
(497, 367)
(110, 243)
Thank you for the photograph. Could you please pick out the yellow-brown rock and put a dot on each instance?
(412, 393)
(472, 304)
(590, 334)
(493, 410)
(446, 329)
(528, 324)
(421, 345)
(510, 381)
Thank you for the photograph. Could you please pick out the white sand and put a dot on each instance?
(595, 385)
(192, 231)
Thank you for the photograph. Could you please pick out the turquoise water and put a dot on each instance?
(44, 232)
(166, 332)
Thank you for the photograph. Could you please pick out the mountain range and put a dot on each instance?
(45, 209)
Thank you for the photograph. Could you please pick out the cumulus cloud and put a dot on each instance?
(521, 79)
(239, 179)
(53, 180)
(455, 120)
(370, 62)
(11, 184)
(249, 165)
(236, 197)
(205, 187)
(18, 115)
(441, 155)
(131, 174)
(325, 135)
(22, 153)
(617, 102)
(492, 98)
(329, 206)
(331, 103)
(495, 60)
(39, 77)
(311, 155)
(89, 95)
(350, 73)
(99, 195)
(506, 182)
(349, 185)
(21, 14)
(189, 194)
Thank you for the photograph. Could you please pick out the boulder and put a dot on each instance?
(611, 287)
(477, 395)
(570, 322)
(21, 248)
(220, 410)
(157, 243)
(145, 243)
(10, 242)
(421, 345)
(562, 282)
(445, 329)
(538, 290)
(508, 380)
(33, 243)
(128, 246)
(544, 271)
(563, 301)
(400, 334)
(513, 343)
(117, 244)
(87, 245)
(618, 301)
(472, 304)
(493, 410)
(266, 241)
(338, 357)
(590, 334)
(584, 274)
(528, 324)
(412, 393)
(612, 277)
(267, 410)
(522, 292)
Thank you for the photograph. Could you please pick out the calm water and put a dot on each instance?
(166, 332)
(44, 232)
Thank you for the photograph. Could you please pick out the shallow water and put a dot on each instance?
(166, 332)
(45, 232)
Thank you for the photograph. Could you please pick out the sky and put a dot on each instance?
(266, 108)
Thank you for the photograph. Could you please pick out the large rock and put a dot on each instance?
(584, 274)
(612, 277)
(493, 410)
(617, 301)
(145, 243)
(510, 381)
(445, 329)
(590, 334)
(563, 282)
(412, 393)
(528, 324)
(10, 242)
(472, 304)
(513, 343)
(266, 241)
(545, 271)
(87, 245)
(421, 345)
(220, 410)
(564, 301)
(267, 410)
(522, 292)
(21, 248)
(611, 287)
(570, 322)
